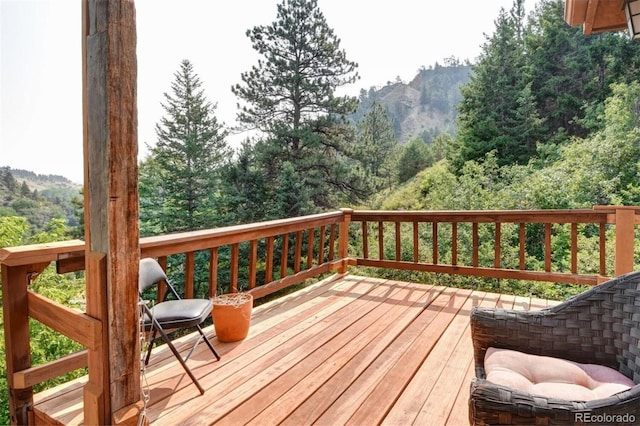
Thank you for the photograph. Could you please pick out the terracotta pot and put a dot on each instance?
(232, 316)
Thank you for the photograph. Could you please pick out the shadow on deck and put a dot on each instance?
(352, 350)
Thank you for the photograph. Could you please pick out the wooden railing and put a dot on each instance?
(281, 253)
(437, 241)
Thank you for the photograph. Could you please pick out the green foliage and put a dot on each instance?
(12, 231)
(600, 170)
(50, 199)
(301, 66)
(375, 143)
(46, 344)
(497, 112)
(415, 156)
(289, 96)
(178, 181)
(537, 84)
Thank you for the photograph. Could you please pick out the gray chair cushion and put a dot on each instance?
(180, 313)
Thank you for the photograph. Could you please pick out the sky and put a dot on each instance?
(40, 60)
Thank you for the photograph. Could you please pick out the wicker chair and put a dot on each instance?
(600, 326)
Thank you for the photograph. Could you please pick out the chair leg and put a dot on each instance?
(206, 340)
(165, 337)
(152, 340)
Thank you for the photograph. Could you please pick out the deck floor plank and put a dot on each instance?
(258, 367)
(348, 350)
(368, 398)
(272, 394)
(296, 385)
(442, 398)
(309, 399)
(408, 405)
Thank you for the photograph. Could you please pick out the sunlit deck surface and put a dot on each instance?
(353, 350)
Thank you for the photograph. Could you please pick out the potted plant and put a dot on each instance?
(232, 316)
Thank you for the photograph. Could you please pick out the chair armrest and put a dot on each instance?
(494, 404)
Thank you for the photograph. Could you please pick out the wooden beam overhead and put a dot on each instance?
(596, 16)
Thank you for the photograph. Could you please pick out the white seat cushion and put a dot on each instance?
(553, 377)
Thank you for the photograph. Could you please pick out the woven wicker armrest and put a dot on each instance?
(492, 404)
(599, 326)
(543, 332)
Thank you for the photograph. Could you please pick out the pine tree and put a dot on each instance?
(572, 74)
(415, 157)
(186, 161)
(244, 195)
(9, 182)
(25, 191)
(488, 110)
(376, 138)
(290, 97)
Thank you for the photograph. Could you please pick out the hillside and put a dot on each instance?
(38, 198)
(425, 107)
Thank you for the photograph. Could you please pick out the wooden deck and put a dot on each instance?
(354, 350)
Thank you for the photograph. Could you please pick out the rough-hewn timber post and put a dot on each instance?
(111, 207)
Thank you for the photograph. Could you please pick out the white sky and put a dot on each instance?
(40, 59)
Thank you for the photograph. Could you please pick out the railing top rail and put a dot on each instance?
(600, 215)
(208, 238)
(36, 253)
(173, 243)
(200, 240)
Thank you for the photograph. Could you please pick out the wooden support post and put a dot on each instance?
(625, 238)
(15, 312)
(111, 206)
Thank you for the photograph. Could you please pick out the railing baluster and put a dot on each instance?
(454, 243)
(189, 275)
(547, 247)
(298, 252)
(269, 260)
(253, 263)
(497, 240)
(311, 242)
(213, 271)
(574, 248)
(285, 255)
(332, 242)
(603, 249)
(475, 244)
(380, 240)
(434, 242)
(235, 249)
(365, 239)
(416, 245)
(323, 230)
(522, 239)
(398, 244)
(162, 288)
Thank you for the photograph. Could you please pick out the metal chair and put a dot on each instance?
(172, 314)
(600, 326)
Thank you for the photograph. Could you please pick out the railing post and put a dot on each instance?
(343, 240)
(625, 239)
(15, 280)
(16, 326)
